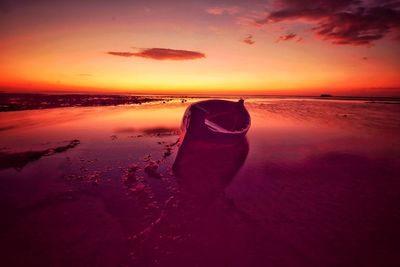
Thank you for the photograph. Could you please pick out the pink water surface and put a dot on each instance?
(315, 183)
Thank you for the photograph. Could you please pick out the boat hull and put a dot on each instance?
(196, 123)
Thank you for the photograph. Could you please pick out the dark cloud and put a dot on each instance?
(287, 37)
(359, 28)
(249, 40)
(294, 9)
(172, 54)
(121, 54)
(162, 54)
(347, 22)
(290, 37)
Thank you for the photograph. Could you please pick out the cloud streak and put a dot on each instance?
(121, 54)
(161, 54)
(249, 40)
(342, 22)
(287, 37)
(290, 37)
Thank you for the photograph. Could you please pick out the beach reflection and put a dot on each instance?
(205, 168)
(314, 184)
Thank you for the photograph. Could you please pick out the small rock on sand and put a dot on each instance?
(151, 169)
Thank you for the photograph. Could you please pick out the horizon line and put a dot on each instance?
(201, 95)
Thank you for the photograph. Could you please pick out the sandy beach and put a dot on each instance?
(314, 184)
(200, 133)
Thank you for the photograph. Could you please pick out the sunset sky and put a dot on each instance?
(210, 47)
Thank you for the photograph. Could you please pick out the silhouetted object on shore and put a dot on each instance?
(213, 147)
(220, 120)
(325, 95)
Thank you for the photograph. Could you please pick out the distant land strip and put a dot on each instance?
(16, 102)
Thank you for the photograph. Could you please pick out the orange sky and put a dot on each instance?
(248, 48)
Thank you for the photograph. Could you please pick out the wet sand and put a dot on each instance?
(20, 101)
(314, 184)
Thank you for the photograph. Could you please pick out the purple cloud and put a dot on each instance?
(249, 40)
(161, 54)
(345, 22)
(287, 37)
(121, 54)
(290, 37)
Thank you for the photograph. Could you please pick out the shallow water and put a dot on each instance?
(316, 183)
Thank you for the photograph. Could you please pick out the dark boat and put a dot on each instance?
(213, 147)
(219, 120)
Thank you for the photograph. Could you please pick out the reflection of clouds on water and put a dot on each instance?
(315, 189)
(349, 114)
(321, 201)
(151, 131)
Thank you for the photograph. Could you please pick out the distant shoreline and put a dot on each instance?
(34, 101)
(19, 102)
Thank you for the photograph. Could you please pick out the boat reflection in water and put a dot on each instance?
(213, 148)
